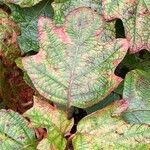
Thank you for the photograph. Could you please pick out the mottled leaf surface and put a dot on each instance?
(62, 8)
(43, 115)
(23, 3)
(135, 16)
(14, 132)
(101, 130)
(74, 67)
(137, 93)
(27, 19)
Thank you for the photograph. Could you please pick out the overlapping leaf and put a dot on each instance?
(14, 132)
(102, 131)
(137, 93)
(74, 67)
(43, 115)
(27, 19)
(62, 8)
(23, 3)
(135, 15)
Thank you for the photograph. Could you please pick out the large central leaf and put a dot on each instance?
(74, 67)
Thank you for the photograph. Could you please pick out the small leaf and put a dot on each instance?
(23, 3)
(27, 19)
(74, 67)
(137, 93)
(14, 132)
(43, 115)
(135, 16)
(102, 131)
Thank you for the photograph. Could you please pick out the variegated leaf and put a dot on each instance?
(23, 3)
(135, 15)
(43, 115)
(101, 130)
(137, 93)
(74, 67)
(63, 7)
(15, 133)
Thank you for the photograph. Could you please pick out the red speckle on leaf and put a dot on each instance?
(129, 1)
(116, 62)
(122, 106)
(59, 31)
(97, 33)
(62, 35)
(40, 133)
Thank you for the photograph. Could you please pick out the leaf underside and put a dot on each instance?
(74, 66)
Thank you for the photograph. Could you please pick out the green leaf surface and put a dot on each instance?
(14, 132)
(23, 3)
(101, 130)
(63, 7)
(26, 78)
(137, 93)
(135, 16)
(43, 115)
(27, 19)
(74, 67)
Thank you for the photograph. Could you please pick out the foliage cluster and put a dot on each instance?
(74, 74)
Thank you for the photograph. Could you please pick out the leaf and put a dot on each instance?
(102, 131)
(63, 7)
(9, 50)
(74, 67)
(26, 78)
(27, 19)
(43, 115)
(135, 16)
(137, 93)
(23, 3)
(14, 132)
